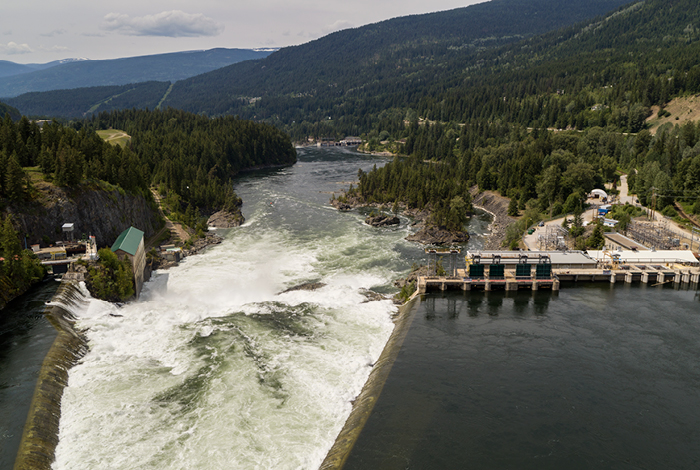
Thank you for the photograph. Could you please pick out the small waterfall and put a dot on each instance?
(40, 435)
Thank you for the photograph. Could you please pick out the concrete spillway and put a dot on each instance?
(40, 435)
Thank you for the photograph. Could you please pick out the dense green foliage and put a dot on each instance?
(194, 157)
(110, 279)
(19, 268)
(6, 109)
(91, 73)
(551, 171)
(354, 75)
(420, 186)
(624, 214)
(465, 92)
(599, 79)
(190, 158)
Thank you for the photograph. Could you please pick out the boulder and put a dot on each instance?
(225, 219)
(305, 286)
(381, 220)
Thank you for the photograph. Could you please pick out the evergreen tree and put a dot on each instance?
(513, 208)
(14, 179)
(10, 248)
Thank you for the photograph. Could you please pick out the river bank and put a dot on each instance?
(497, 206)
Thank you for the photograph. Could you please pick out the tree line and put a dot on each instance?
(19, 268)
(191, 159)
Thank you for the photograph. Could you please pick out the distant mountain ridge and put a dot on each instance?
(8, 69)
(347, 60)
(348, 73)
(17, 79)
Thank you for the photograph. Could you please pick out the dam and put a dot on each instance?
(515, 270)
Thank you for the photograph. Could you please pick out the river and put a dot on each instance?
(25, 338)
(593, 377)
(215, 367)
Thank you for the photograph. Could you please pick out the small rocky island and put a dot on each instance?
(426, 234)
(381, 220)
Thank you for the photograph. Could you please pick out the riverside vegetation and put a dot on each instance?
(19, 268)
(541, 117)
(548, 120)
(190, 159)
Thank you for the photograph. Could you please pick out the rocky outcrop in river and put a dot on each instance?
(382, 220)
(427, 234)
(225, 219)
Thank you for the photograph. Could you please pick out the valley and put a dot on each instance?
(480, 124)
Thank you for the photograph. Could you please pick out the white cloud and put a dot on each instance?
(172, 24)
(55, 32)
(53, 48)
(337, 26)
(12, 48)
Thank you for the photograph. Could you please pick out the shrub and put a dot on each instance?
(669, 211)
(110, 279)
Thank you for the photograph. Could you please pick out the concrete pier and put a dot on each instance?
(461, 282)
(512, 271)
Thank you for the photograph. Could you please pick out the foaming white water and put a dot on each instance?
(214, 368)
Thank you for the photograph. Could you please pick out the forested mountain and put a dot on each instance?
(7, 109)
(364, 66)
(91, 73)
(8, 68)
(354, 74)
(79, 102)
(599, 81)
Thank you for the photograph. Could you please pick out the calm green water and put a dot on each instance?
(591, 378)
(25, 338)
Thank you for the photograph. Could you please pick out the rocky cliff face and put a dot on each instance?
(93, 210)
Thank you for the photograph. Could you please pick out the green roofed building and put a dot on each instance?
(130, 244)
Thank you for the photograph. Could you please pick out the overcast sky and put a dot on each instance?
(38, 31)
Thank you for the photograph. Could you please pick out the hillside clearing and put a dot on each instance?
(115, 136)
(682, 110)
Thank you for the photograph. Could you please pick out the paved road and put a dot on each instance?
(624, 192)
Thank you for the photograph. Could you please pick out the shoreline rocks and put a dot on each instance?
(426, 234)
(201, 243)
(497, 205)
